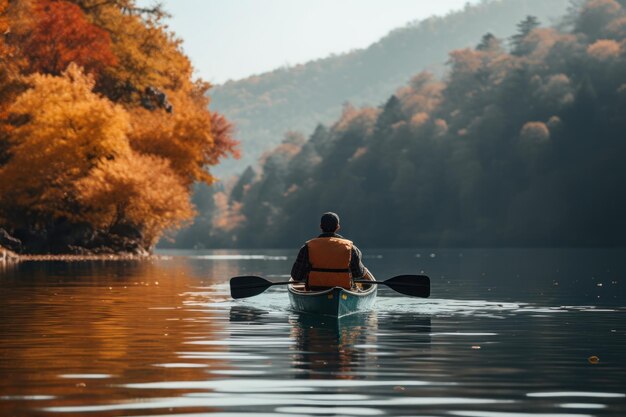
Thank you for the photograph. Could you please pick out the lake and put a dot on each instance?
(511, 333)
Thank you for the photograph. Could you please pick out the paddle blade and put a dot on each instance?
(414, 285)
(248, 286)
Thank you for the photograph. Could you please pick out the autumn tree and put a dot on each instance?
(137, 191)
(191, 138)
(224, 144)
(103, 130)
(11, 83)
(61, 34)
(4, 53)
(596, 16)
(4, 27)
(150, 54)
(66, 131)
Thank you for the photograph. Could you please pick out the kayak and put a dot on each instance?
(334, 302)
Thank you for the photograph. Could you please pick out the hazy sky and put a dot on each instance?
(231, 39)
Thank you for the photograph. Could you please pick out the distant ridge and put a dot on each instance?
(264, 107)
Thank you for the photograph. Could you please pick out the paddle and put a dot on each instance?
(249, 285)
(413, 285)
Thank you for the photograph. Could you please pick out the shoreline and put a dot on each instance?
(81, 258)
(8, 257)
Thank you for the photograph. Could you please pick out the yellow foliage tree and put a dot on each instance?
(135, 190)
(66, 131)
(183, 137)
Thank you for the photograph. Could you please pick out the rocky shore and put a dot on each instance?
(78, 258)
(74, 245)
(6, 256)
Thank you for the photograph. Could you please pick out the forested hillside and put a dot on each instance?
(520, 144)
(103, 131)
(266, 106)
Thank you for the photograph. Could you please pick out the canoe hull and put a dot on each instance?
(334, 302)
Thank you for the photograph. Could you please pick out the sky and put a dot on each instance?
(233, 39)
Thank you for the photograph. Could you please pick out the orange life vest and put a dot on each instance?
(330, 262)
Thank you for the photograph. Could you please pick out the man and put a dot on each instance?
(328, 260)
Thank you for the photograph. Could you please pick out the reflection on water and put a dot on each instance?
(327, 349)
(164, 338)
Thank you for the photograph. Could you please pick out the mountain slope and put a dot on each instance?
(519, 146)
(266, 106)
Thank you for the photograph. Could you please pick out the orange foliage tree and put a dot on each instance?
(10, 82)
(150, 55)
(61, 34)
(4, 27)
(94, 140)
(190, 138)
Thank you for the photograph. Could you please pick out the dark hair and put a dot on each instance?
(329, 222)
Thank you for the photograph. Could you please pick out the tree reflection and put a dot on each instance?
(80, 331)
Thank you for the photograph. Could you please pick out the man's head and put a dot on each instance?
(329, 222)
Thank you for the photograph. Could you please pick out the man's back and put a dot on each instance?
(327, 260)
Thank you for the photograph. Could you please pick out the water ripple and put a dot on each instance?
(97, 340)
(258, 385)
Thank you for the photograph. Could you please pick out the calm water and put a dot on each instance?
(505, 333)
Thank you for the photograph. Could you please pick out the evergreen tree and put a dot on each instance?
(488, 42)
(523, 30)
